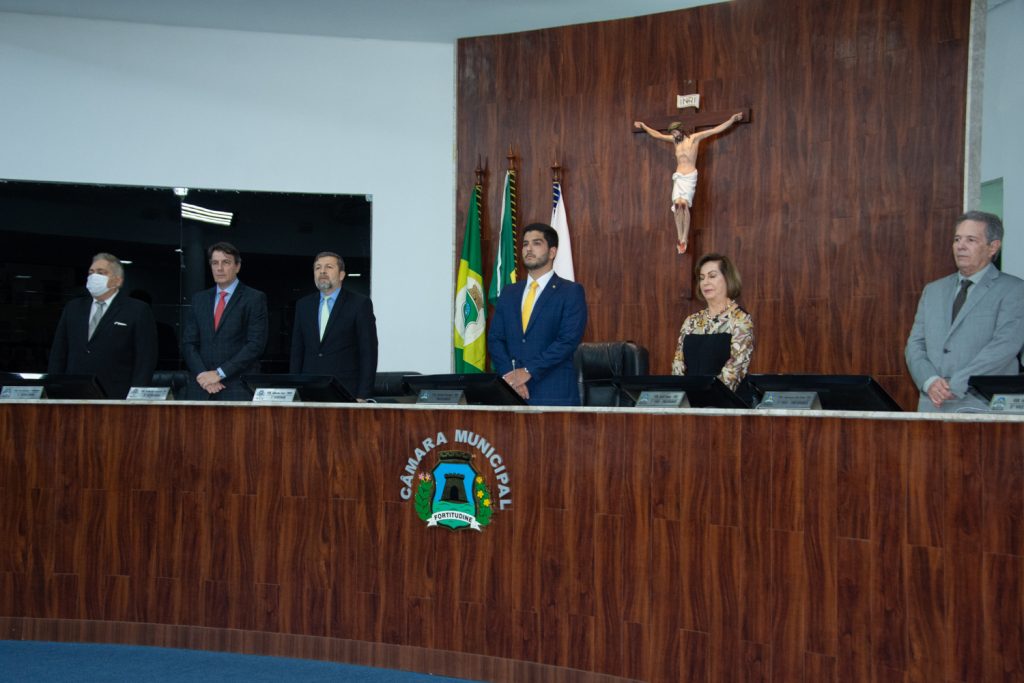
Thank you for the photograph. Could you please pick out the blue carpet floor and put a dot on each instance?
(80, 662)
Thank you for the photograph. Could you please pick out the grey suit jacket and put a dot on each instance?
(985, 339)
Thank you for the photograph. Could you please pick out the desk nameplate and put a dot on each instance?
(442, 397)
(150, 394)
(19, 393)
(271, 395)
(662, 399)
(790, 400)
(1007, 403)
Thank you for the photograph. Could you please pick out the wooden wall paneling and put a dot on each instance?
(789, 605)
(926, 618)
(925, 492)
(854, 608)
(652, 547)
(1003, 559)
(964, 543)
(851, 105)
(755, 501)
(1003, 595)
(623, 557)
(887, 592)
(1004, 481)
(821, 520)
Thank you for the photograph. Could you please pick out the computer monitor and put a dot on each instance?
(310, 388)
(836, 392)
(702, 391)
(990, 385)
(483, 389)
(73, 387)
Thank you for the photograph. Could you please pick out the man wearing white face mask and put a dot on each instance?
(107, 335)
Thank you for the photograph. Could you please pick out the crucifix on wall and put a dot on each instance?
(682, 131)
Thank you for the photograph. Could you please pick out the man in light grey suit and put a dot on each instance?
(968, 323)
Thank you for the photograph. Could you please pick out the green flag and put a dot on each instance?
(505, 259)
(470, 308)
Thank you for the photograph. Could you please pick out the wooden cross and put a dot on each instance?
(689, 117)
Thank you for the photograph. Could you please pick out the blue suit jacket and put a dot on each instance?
(235, 347)
(547, 346)
(985, 338)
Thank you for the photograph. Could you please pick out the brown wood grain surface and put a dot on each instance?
(836, 201)
(671, 547)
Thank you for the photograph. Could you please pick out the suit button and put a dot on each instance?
(945, 350)
(320, 355)
(524, 340)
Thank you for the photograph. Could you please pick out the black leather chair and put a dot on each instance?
(175, 379)
(388, 387)
(598, 363)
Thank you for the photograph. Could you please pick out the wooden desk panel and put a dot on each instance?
(658, 547)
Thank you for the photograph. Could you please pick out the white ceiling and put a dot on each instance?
(435, 21)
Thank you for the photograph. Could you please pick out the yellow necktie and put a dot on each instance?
(528, 304)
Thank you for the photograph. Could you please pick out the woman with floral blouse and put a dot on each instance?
(718, 340)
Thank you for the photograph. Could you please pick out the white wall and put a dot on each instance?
(1002, 136)
(109, 102)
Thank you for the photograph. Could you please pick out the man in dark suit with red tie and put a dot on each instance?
(225, 331)
(107, 334)
(335, 331)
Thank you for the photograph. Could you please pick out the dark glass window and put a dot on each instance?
(50, 232)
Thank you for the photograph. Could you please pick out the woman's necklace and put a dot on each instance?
(716, 315)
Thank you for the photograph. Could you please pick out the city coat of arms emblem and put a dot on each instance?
(454, 494)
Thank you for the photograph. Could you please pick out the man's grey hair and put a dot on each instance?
(115, 263)
(993, 224)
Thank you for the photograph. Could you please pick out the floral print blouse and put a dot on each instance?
(733, 321)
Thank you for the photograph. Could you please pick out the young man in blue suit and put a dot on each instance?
(538, 323)
(335, 331)
(225, 331)
(968, 323)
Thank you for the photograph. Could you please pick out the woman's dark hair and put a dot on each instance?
(733, 282)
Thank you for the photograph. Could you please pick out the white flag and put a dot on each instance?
(563, 261)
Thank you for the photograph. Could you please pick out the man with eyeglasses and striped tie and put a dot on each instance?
(335, 330)
(538, 323)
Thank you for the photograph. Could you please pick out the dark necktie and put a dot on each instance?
(961, 297)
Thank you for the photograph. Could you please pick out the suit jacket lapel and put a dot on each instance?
(338, 301)
(549, 292)
(230, 306)
(106, 321)
(973, 298)
(204, 310)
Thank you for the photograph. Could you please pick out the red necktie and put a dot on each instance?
(219, 311)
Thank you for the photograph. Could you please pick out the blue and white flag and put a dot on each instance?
(563, 261)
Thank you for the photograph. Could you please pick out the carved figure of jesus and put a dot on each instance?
(686, 144)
